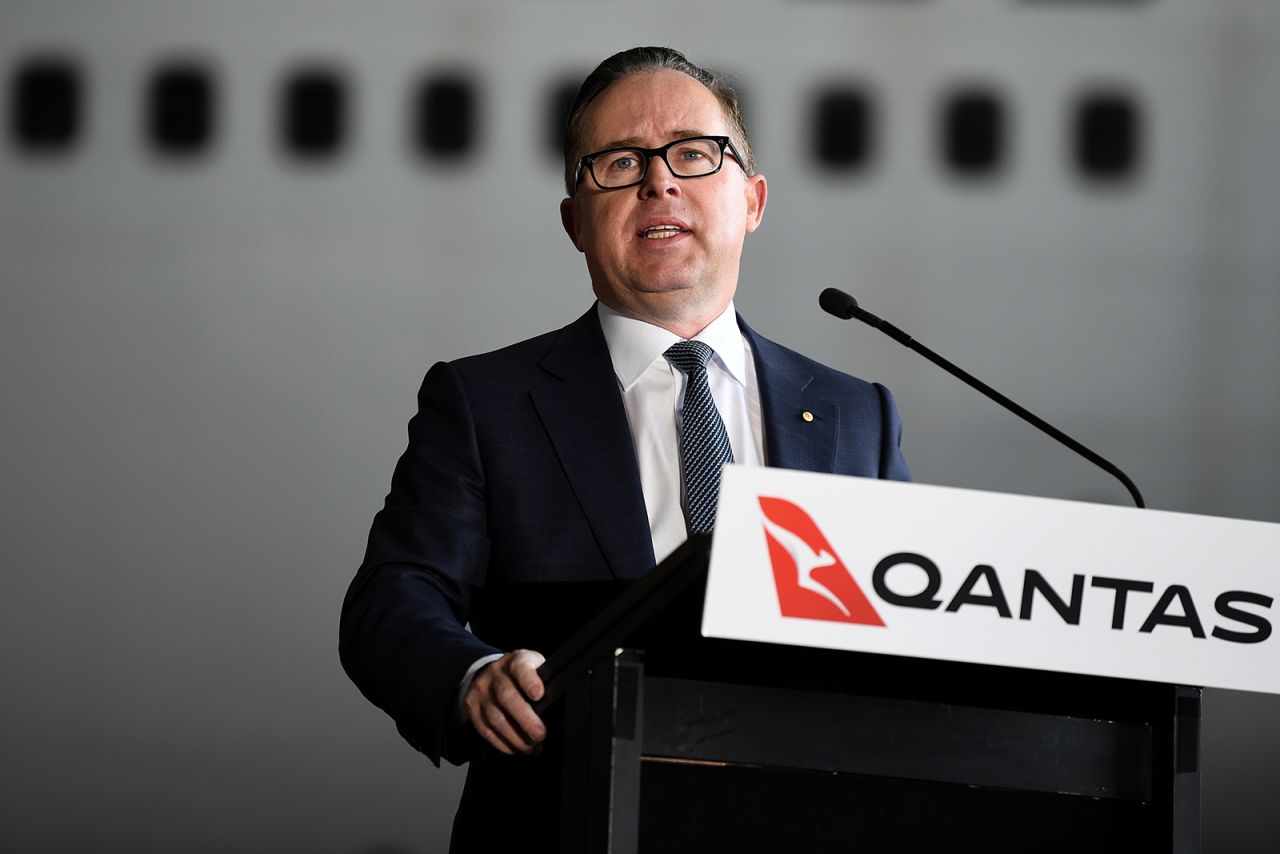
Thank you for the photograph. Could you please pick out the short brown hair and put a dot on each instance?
(640, 60)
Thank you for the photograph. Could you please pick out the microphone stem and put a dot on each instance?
(1026, 415)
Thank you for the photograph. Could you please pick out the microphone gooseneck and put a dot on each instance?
(840, 304)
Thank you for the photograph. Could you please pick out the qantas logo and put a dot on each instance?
(814, 584)
(812, 581)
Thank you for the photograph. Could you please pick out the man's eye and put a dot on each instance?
(625, 163)
(692, 154)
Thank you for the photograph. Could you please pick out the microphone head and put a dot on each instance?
(836, 302)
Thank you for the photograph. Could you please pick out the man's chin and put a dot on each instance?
(678, 309)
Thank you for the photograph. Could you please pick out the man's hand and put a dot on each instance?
(497, 703)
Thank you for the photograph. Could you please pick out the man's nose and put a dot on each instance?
(659, 179)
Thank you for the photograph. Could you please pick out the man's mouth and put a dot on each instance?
(662, 232)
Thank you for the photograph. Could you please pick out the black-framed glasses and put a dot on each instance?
(692, 157)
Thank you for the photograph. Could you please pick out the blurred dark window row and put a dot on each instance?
(974, 129)
(49, 102)
(48, 105)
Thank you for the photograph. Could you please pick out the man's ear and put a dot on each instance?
(757, 191)
(569, 219)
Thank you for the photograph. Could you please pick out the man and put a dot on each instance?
(569, 458)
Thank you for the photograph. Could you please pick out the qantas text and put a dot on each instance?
(1238, 615)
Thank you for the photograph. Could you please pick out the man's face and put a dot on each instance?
(678, 280)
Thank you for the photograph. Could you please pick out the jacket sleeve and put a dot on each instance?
(892, 464)
(402, 636)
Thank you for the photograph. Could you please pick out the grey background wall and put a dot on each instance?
(207, 361)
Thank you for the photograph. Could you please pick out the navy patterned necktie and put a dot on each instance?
(704, 444)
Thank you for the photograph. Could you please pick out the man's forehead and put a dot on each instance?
(673, 134)
(653, 107)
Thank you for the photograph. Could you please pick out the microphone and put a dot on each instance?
(843, 306)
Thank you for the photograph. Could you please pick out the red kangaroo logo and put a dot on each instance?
(812, 581)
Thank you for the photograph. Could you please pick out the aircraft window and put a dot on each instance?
(180, 109)
(843, 128)
(445, 116)
(973, 132)
(46, 103)
(314, 114)
(1107, 136)
(559, 101)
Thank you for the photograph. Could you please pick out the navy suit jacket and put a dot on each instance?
(520, 471)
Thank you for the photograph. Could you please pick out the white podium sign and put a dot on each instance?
(933, 572)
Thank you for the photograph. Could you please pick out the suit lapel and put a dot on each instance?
(791, 441)
(584, 417)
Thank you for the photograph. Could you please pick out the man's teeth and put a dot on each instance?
(660, 231)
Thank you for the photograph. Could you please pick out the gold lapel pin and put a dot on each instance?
(807, 415)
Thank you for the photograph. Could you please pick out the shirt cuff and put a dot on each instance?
(460, 711)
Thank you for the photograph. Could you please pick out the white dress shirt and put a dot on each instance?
(653, 392)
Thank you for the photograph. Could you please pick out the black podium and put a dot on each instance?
(673, 743)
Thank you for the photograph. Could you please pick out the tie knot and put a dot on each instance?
(689, 355)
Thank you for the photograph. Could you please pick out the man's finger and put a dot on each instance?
(527, 720)
(493, 724)
(501, 725)
(511, 700)
(524, 669)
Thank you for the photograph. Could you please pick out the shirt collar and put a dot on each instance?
(635, 344)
